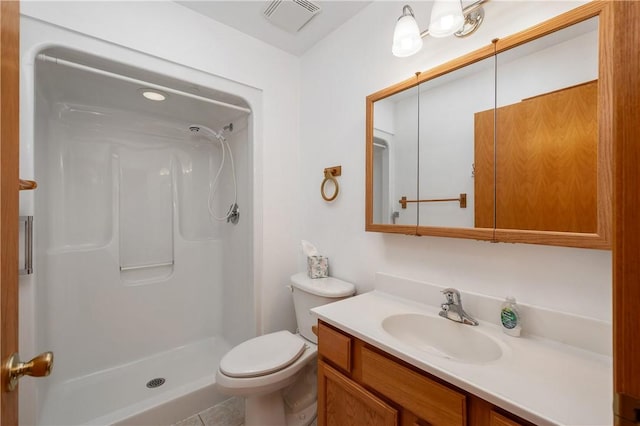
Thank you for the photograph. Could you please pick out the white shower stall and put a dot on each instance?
(136, 289)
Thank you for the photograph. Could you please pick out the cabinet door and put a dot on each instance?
(497, 419)
(431, 401)
(342, 402)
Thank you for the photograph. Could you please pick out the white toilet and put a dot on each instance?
(277, 372)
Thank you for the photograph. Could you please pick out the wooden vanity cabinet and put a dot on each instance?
(359, 384)
(347, 403)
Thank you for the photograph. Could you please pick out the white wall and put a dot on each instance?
(355, 61)
(169, 31)
(329, 85)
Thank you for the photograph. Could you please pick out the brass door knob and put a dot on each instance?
(13, 369)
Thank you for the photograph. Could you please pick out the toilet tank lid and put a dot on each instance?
(325, 287)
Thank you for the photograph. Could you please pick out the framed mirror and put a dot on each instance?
(394, 149)
(510, 143)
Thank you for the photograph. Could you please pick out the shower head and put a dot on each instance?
(197, 128)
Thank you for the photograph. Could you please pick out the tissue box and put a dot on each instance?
(317, 266)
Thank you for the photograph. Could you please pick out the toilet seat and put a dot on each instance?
(262, 355)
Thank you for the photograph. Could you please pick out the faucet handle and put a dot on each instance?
(452, 295)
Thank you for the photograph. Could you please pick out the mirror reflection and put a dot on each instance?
(446, 158)
(395, 149)
(516, 133)
(547, 132)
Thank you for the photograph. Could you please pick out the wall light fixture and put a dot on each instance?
(448, 17)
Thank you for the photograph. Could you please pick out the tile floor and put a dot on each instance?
(227, 413)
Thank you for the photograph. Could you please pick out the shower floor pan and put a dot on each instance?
(121, 396)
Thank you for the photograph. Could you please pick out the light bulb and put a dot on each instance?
(406, 36)
(153, 95)
(446, 18)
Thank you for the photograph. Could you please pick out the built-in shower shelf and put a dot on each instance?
(154, 265)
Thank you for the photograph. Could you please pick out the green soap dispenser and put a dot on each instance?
(510, 317)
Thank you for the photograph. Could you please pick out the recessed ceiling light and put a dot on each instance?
(153, 95)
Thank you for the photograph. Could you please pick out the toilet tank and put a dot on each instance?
(309, 293)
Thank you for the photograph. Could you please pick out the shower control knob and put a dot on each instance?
(13, 369)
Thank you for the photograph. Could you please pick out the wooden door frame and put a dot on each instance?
(626, 247)
(9, 198)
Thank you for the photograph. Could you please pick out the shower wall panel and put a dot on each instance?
(239, 301)
(145, 209)
(115, 187)
(81, 192)
(196, 165)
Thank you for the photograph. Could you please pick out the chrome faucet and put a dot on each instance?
(452, 308)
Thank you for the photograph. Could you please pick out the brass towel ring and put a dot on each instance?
(329, 176)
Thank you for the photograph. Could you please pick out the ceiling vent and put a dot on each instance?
(291, 15)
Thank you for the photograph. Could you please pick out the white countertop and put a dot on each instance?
(540, 380)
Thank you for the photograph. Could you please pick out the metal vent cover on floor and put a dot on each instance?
(291, 15)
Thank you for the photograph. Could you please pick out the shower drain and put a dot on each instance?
(154, 383)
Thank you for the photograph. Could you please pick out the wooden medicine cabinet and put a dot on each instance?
(510, 143)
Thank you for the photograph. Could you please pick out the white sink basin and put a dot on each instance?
(443, 337)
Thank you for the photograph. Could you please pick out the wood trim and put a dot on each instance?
(626, 248)
(422, 76)
(551, 238)
(391, 229)
(602, 239)
(483, 234)
(455, 64)
(392, 90)
(368, 215)
(581, 13)
(564, 239)
(605, 127)
(9, 160)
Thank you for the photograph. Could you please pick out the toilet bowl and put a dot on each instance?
(264, 387)
(276, 373)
